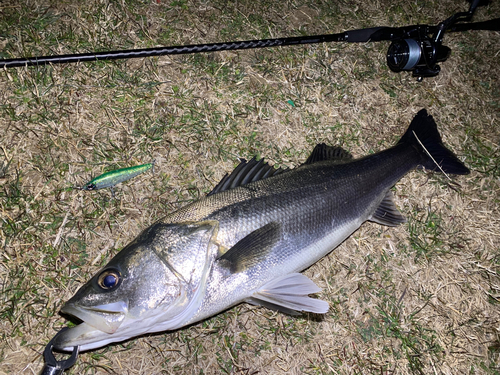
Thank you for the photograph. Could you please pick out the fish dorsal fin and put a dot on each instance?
(251, 249)
(289, 294)
(387, 213)
(245, 173)
(324, 152)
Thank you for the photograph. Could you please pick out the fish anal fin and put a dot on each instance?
(324, 152)
(251, 249)
(289, 294)
(387, 213)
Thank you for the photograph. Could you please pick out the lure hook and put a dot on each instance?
(52, 365)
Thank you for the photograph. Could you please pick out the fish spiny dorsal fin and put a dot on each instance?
(387, 213)
(324, 152)
(245, 173)
(251, 249)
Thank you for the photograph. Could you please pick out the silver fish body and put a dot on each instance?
(248, 241)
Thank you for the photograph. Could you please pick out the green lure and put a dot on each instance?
(110, 179)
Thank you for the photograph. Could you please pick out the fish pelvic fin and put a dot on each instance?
(289, 294)
(387, 213)
(424, 136)
(251, 249)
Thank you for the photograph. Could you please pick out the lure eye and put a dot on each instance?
(90, 187)
(109, 279)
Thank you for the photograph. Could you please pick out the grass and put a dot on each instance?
(417, 299)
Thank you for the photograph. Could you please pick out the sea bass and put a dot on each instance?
(248, 240)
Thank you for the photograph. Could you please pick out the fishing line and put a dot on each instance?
(428, 153)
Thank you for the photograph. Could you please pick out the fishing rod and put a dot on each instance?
(416, 48)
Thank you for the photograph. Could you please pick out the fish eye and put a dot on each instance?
(109, 279)
(90, 187)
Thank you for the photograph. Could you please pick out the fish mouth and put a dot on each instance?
(99, 324)
(106, 318)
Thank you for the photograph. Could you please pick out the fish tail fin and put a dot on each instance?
(424, 136)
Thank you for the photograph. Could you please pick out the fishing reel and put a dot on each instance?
(419, 55)
(415, 50)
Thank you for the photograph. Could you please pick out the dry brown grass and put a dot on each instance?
(420, 298)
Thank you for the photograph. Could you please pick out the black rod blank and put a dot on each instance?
(176, 50)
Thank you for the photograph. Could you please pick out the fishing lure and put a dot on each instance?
(112, 178)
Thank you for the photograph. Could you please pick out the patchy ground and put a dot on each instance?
(422, 298)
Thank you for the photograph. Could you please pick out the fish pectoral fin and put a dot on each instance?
(289, 294)
(387, 213)
(251, 249)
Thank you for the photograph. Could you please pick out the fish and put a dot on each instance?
(248, 240)
(112, 178)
